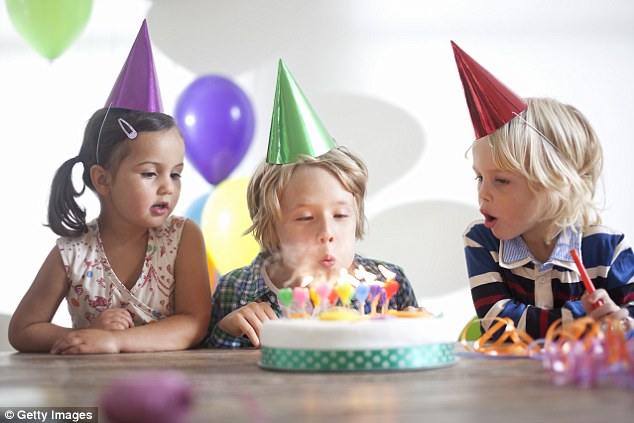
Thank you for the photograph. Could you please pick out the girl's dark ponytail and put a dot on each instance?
(65, 216)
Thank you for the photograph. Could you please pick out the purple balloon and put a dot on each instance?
(217, 121)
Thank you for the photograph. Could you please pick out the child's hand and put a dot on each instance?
(248, 321)
(607, 309)
(113, 319)
(86, 341)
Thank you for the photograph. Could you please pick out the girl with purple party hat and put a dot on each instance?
(136, 263)
(537, 162)
(306, 202)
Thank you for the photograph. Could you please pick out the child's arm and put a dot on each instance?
(31, 329)
(238, 309)
(616, 291)
(182, 330)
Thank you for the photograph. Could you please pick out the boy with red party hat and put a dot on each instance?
(537, 162)
(136, 263)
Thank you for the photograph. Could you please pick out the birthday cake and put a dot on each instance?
(335, 337)
(364, 344)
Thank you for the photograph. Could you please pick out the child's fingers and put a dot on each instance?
(255, 321)
(62, 344)
(268, 311)
(598, 304)
(599, 312)
(123, 319)
(255, 318)
(247, 321)
(126, 318)
(113, 319)
(620, 314)
(75, 350)
(250, 328)
(115, 326)
(597, 295)
(594, 301)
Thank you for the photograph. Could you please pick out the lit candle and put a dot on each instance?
(323, 291)
(383, 301)
(314, 297)
(375, 290)
(300, 294)
(361, 293)
(345, 292)
(387, 273)
(286, 296)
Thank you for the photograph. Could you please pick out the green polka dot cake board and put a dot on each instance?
(427, 356)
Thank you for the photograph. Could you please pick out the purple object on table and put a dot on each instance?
(152, 396)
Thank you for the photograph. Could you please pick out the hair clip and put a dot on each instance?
(127, 129)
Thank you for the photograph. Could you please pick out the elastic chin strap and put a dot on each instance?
(539, 132)
(99, 135)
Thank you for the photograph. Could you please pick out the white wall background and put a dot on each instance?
(382, 76)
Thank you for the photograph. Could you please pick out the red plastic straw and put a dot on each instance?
(585, 278)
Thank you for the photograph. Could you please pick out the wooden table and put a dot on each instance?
(230, 387)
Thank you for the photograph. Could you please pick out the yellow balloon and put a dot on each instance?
(224, 219)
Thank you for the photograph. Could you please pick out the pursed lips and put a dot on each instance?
(328, 261)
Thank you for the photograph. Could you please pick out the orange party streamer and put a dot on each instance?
(511, 342)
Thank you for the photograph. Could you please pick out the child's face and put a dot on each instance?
(316, 232)
(147, 184)
(509, 207)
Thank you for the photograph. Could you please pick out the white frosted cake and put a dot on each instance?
(358, 345)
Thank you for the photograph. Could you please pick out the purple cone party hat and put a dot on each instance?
(296, 130)
(137, 87)
(491, 103)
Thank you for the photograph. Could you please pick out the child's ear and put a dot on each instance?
(101, 179)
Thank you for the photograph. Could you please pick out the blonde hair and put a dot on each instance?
(553, 145)
(269, 180)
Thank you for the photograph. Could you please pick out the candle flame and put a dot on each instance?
(363, 274)
(345, 277)
(388, 274)
(306, 280)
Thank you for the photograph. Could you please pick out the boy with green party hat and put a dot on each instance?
(306, 203)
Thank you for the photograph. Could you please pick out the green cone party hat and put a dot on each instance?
(296, 130)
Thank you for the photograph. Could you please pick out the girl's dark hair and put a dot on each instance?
(66, 217)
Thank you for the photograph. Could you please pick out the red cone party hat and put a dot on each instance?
(137, 86)
(491, 103)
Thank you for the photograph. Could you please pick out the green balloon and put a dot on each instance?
(49, 26)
